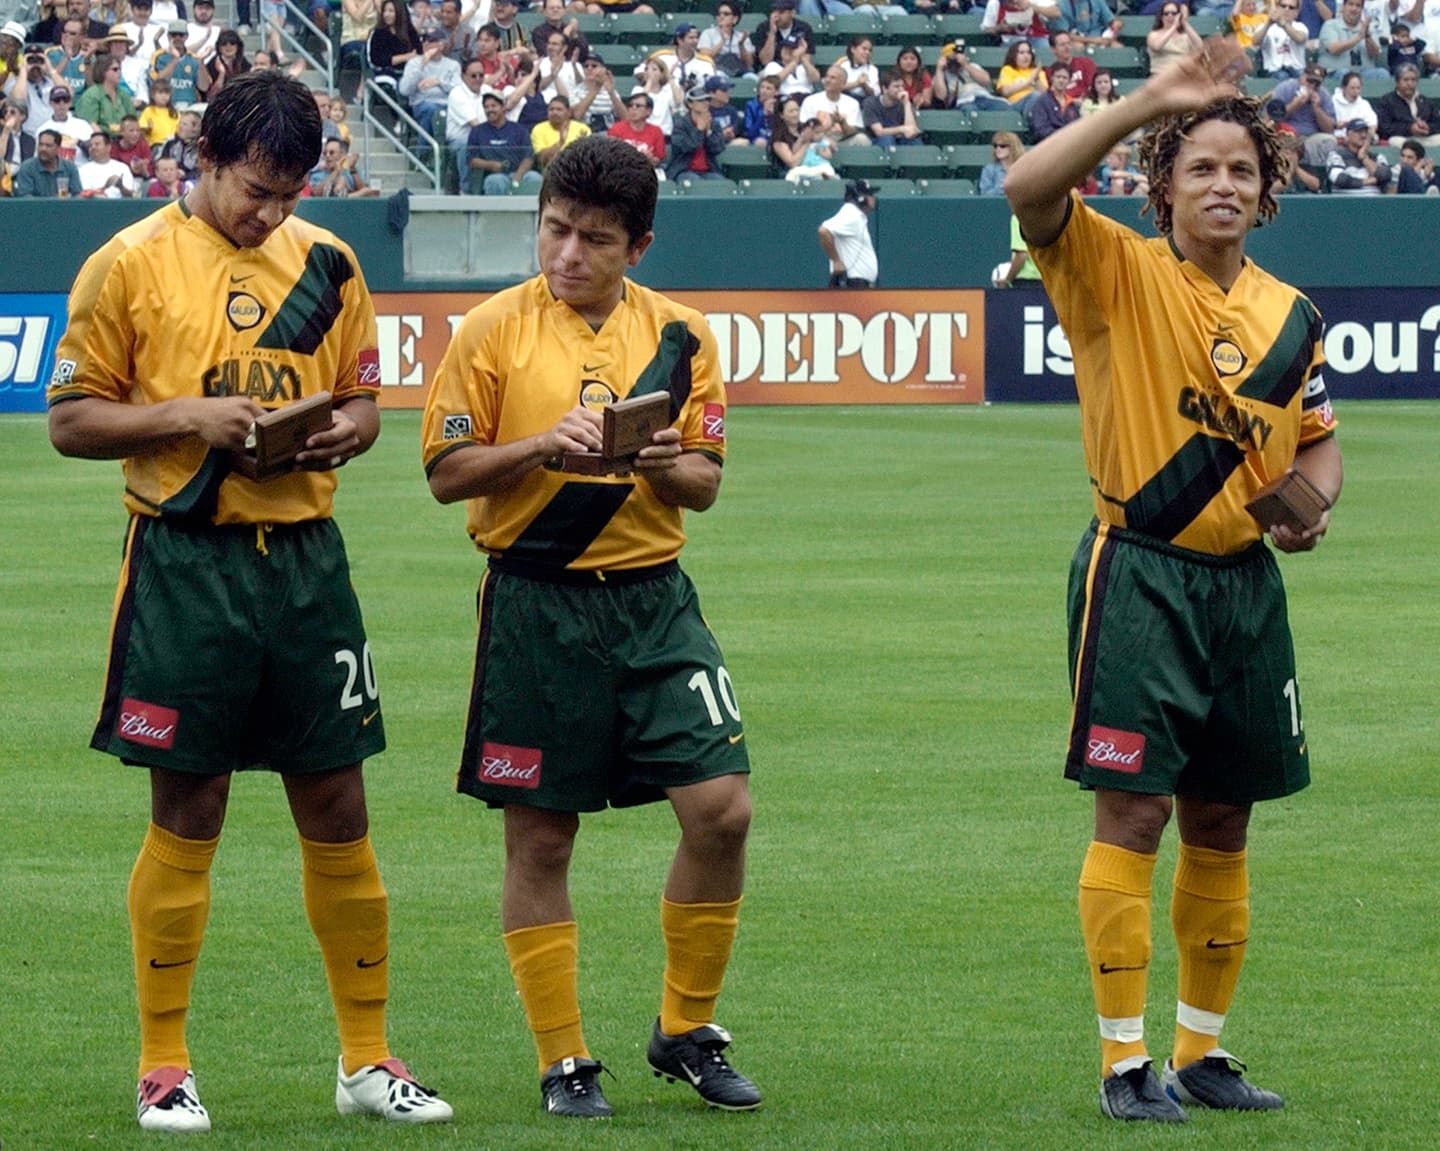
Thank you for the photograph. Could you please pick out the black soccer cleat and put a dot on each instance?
(1218, 1082)
(1136, 1094)
(572, 1088)
(696, 1058)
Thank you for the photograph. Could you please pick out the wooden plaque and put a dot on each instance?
(279, 436)
(626, 427)
(1291, 500)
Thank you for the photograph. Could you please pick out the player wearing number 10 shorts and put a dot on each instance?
(596, 679)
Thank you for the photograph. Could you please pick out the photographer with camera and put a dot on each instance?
(961, 83)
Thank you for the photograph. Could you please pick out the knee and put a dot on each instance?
(1134, 822)
(541, 845)
(722, 825)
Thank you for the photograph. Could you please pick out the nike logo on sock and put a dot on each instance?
(158, 966)
(1216, 945)
(367, 963)
(1105, 969)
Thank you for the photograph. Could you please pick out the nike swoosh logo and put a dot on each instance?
(365, 721)
(1224, 327)
(690, 1075)
(158, 966)
(251, 276)
(736, 738)
(1104, 970)
(362, 963)
(592, 367)
(1216, 946)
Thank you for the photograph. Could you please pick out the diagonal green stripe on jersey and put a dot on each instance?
(313, 304)
(1171, 498)
(200, 496)
(562, 531)
(669, 371)
(1277, 377)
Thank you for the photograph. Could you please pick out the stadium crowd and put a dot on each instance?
(104, 100)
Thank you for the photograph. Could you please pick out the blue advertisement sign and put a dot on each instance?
(1380, 343)
(30, 327)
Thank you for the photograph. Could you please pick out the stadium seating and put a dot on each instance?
(639, 28)
(966, 160)
(919, 162)
(1123, 61)
(911, 29)
(962, 26)
(709, 189)
(839, 29)
(946, 188)
(944, 126)
(985, 124)
(768, 189)
(823, 189)
(746, 162)
(864, 161)
(890, 189)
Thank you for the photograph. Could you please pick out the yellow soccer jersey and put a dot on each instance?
(1191, 398)
(519, 362)
(170, 308)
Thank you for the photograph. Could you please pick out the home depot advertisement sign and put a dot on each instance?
(775, 347)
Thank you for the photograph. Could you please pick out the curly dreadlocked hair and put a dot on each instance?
(1160, 146)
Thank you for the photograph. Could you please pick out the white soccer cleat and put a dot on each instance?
(389, 1090)
(166, 1100)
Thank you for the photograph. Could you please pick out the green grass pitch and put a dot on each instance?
(888, 585)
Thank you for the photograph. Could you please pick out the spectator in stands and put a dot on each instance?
(696, 143)
(273, 15)
(760, 112)
(889, 117)
(727, 44)
(770, 35)
(1021, 78)
(49, 30)
(1248, 20)
(357, 20)
(203, 34)
(559, 71)
(1353, 170)
(102, 176)
(1171, 38)
(617, 7)
(918, 83)
(134, 67)
(959, 82)
(1282, 42)
(104, 103)
(557, 133)
(167, 184)
(188, 80)
(1119, 177)
(1404, 49)
(598, 102)
(845, 239)
(336, 177)
(1296, 179)
(795, 72)
(464, 109)
(1348, 41)
(39, 81)
(74, 132)
(133, 150)
(1404, 113)
(13, 82)
(339, 112)
(69, 61)
(1006, 148)
(1081, 68)
(1313, 14)
(577, 47)
(1102, 92)
(16, 144)
(459, 37)
(637, 131)
(502, 15)
(184, 146)
(1088, 21)
(822, 9)
(683, 58)
(665, 95)
(228, 62)
(724, 114)
(837, 112)
(159, 119)
(146, 34)
(427, 79)
(881, 9)
(47, 174)
(1053, 108)
(789, 138)
(501, 151)
(392, 44)
(1350, 105)
(1019, 270)
(524, 103)
(1417, 171)
(1311, 112)
(862, 78)
(1016, 20)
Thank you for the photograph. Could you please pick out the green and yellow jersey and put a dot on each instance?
(170, 308)
(1191, 398)
(518, 363)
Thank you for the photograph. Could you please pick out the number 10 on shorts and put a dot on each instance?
(721, 691)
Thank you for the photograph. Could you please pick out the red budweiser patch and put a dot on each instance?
(509, 766)
(1115, 750)
(367, 374)
(147, 723)
(715, 422)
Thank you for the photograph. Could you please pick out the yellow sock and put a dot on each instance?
(348, 910)
(169, 901)
(545, 962)
(1115, 921)
(1210, 911)
(698, 939)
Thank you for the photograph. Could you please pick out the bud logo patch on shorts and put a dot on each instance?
(1115, 750)
(509, 766)
(147, 723)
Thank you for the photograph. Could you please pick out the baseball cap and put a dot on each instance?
(488, 95)
(859, 189)
(436, 33)
(204, 3)
(683, 30)
(60, 90)
(719, 83)
(177, 28)
(1357, 125)
(595, 58)
(15, 30)
(697, 94)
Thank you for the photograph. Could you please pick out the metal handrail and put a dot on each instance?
(372, 125)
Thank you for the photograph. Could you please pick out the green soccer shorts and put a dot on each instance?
(1182, 672)
(591, 692)
(236, 647)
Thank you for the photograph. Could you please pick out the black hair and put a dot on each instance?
(266, 116)
(606, 173)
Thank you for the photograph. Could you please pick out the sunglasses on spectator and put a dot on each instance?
(1170, 11)
(59, 99)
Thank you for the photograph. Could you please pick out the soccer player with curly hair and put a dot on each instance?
(1199, 377)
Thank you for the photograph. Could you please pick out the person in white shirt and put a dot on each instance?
(464, 109)
(833, 108)
(1282, 42)
(204, 31)
(1350, 105)
(102, 176)
(845, 239)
